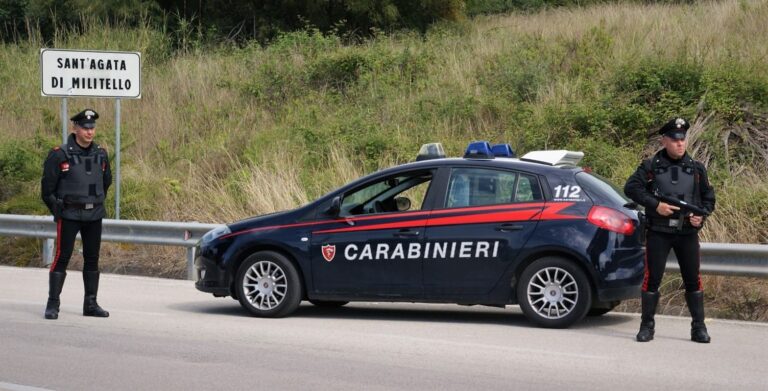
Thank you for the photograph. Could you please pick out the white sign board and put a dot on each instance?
(93, 73)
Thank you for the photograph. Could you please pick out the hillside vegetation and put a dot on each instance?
(224, 132)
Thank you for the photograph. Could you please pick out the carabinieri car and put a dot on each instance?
(488, 229)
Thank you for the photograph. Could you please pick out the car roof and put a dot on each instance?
(503, 163)
(508, 163)
(536, 168)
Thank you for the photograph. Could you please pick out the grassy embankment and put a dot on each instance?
(222, 133)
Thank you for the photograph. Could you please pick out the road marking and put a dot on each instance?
(19, 387)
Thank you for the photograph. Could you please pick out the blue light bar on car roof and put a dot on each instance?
(503, 150)
(478, 150)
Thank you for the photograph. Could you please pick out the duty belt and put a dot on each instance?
(668, 222)
(78, 205)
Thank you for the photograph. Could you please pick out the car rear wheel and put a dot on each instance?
(554, 292)
(268, 285)
(329, 303)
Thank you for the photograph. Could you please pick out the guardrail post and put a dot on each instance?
(191, 264)
(48, 251)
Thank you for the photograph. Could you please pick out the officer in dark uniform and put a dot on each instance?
(76, 177)
(672, 172)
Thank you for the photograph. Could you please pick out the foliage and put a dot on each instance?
(478, 7)
(189, 25)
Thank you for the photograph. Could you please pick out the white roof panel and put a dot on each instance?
(554, 158)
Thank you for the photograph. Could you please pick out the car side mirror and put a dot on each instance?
(403, 203)
(335, 207)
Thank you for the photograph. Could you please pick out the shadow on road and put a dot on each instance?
(418, 313)
(401, 312)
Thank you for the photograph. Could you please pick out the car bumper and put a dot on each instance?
(621, 274)
(615, 294)
(210, 278)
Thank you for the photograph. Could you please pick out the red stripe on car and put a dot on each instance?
(401, 215)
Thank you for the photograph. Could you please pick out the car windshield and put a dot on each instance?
(382, 196)
(601, 187)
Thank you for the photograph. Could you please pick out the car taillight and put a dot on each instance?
(611, 219)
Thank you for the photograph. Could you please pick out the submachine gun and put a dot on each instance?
(685, 208)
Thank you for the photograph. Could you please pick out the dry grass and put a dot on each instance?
(168, 133)
(708, 31)
(741, 298)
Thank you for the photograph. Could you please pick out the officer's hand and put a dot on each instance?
(696, 220)
(666, 209)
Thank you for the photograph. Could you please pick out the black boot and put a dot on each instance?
(55, 283)
(695, 302)
(90, 306)
(647, 324)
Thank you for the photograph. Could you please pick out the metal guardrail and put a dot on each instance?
(125, 231)
(750, 260)
(730, 259)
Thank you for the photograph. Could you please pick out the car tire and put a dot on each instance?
(328, 303)
(554, 292)
(268, 285)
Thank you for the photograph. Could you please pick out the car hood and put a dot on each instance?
(276, 218)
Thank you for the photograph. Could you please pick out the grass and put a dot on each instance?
(222, 133)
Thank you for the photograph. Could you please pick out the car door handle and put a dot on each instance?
(509, 227)
(406, 233)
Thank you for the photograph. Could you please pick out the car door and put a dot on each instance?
(487, 216)
(374, 247)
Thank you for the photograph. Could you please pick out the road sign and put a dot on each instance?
(70, 73)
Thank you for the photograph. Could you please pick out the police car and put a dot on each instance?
(488, 229)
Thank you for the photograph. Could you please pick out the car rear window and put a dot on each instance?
(602, 188)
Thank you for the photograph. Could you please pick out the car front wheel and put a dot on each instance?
(268, 285)
(554, 292)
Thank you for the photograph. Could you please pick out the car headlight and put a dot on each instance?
(216, 233)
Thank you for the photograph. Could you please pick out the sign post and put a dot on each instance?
(91, 73)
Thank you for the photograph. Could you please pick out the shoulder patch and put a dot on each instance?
(56, 148)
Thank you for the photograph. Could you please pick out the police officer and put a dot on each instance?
(672, 172)
(76, 177)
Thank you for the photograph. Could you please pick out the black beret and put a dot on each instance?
(86, 118)
(675, 128)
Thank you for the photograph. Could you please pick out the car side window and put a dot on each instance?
(399, 193)
(528, 189)
(479, 186)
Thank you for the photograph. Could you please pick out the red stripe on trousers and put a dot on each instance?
(701, 286)
(58, 245)
(646, 274)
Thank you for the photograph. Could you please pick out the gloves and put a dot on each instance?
(55, 205)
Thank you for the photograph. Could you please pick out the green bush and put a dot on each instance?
(20, 161)
(517, 74)
(668, 87)
(338, 70)
(732, 87)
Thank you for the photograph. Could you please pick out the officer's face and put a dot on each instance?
(675, 148)
(84, 136)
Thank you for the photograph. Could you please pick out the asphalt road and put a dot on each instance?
(163, 334)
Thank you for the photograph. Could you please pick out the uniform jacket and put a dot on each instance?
(55, 171)
(640, 185)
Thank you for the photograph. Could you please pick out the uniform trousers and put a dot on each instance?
(657, 247)
(66, 233)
